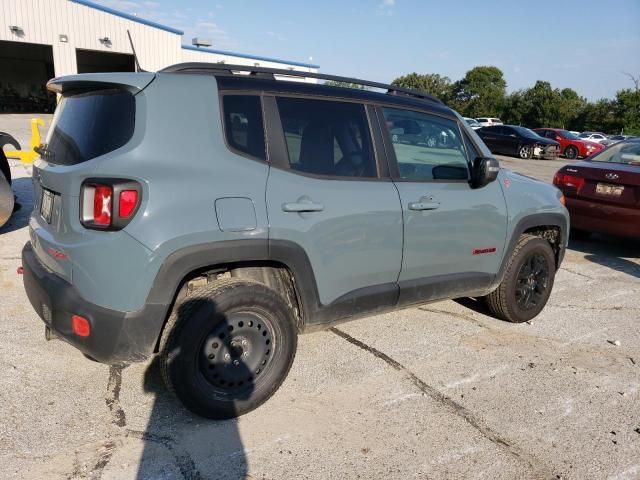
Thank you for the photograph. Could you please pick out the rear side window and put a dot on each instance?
(244, 128)
(327, 138)
(87, 125)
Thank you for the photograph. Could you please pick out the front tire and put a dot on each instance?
(527, 282)
(525, 152)
(228, 347)
(571, 152)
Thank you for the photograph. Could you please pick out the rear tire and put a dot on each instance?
(227, 347)
(571, 152)
(527, 282)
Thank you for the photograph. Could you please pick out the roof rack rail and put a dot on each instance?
(265, 72)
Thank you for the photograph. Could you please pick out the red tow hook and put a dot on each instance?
(20, 270)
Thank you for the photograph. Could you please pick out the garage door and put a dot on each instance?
(26, 68)
(92, 61)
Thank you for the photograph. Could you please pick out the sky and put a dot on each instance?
(585, 45)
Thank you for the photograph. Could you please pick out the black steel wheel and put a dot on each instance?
(571, 152)
(532, 281)
(527, 281)
(227, 347)
(237, 351)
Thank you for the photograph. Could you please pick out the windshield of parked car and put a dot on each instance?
(525, 132)
(623, 152)
(567, 134)
(584, 135)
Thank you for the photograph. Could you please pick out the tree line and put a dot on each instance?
(482, 92)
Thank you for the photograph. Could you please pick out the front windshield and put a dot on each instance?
(567, 134)
(471, 121)
(525, 132)
(623, 152)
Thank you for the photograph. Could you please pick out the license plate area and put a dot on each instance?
(609, 190)
(46, 205)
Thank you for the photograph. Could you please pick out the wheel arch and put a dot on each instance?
(283, 266)
(553, 227)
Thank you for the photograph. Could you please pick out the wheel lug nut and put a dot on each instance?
(227, 356)
(236, 362)
(245, 354)
(244, 343)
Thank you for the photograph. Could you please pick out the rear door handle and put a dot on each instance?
(423, 205)
(301, 207)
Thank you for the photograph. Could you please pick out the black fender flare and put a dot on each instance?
(545, 219)
(181, 263)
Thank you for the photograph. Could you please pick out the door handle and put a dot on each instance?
(301, 207)
(423, 205)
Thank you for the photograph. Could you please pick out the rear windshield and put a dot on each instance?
(624, 152)
(87, 125)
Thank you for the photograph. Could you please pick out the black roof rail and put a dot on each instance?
(265, 72)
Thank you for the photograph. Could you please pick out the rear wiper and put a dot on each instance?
(43, 151)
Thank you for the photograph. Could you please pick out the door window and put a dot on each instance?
(427, 147)
(327, 138)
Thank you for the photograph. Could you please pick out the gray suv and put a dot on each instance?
(208, 214)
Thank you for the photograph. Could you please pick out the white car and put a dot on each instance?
(473, 123)
(595, 137)
(488, 121)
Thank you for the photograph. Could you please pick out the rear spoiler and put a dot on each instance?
(133, 82)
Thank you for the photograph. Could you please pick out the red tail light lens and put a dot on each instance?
(127, 203)
(80, 326)
(102, 205)
(108, 203)
(571, 181)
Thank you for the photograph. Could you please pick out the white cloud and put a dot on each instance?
(386, 7)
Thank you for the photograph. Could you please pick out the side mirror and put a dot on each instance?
(485, 171)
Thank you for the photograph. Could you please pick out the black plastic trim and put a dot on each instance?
(527, 223)
(116, 337)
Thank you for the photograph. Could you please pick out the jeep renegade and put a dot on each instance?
(208, 214)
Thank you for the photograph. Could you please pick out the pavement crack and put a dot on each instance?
(576, 273)
(112, 398)
(183, 460)
(103, 460)
(462, 316)
(455, 407)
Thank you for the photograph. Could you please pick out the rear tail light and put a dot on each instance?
(102, 206)
(109, 204)
(569, 181)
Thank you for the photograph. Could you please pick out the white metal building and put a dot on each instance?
(40, 39)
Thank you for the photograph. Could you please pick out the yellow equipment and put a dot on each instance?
(28, 156)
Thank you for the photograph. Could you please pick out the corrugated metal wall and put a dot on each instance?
(43, 21)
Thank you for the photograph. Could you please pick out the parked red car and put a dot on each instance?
(603, 192)
(571, 145)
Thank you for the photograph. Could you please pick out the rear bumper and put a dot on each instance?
(116, 337)
(597, 217)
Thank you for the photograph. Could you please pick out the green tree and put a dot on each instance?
(570, 107)
(541, 106)
(627, 111)
(432, 83)
(481, 92)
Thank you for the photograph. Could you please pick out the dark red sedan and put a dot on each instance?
(603, 192)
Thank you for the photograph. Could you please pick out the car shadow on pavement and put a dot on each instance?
(179, 444)
(611, 252)
(23, 191)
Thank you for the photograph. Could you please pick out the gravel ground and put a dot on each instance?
(438, 391)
